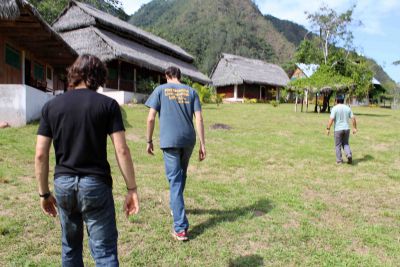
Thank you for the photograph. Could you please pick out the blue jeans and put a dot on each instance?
(176, 162)
(86, 199)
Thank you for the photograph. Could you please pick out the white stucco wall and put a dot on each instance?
(123, 97)
(21, 104)
(35, 100)
(12, 104)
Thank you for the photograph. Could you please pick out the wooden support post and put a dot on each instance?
(306, 96)
(277, 94)
(235, 91)
(260, 92)
(119, 74)
(134, 80)
(295, 106)
(302, 104)
(23, 67)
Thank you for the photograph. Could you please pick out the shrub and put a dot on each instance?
(250, 101)
(274, 103)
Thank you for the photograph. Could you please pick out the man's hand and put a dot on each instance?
(49, 205)
(202, 153)
(131, 205)
(354, 130)
(328, 132)
(150, 148)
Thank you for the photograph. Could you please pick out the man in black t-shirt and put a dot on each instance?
(78, 122)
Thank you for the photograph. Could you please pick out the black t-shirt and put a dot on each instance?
(79, 122)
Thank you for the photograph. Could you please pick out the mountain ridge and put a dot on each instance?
(205, 28)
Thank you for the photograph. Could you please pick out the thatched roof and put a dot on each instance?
(232, 69)
(9, 9)
(108, 46)
(78, 15)
(23, 24)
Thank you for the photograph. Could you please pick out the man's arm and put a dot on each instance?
(125, 163)
(328, 127)
(200, 132)
(353, 119)
(47, 201)
(151, 119)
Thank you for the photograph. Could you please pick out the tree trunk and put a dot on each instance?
(316, 103)
(325, 105)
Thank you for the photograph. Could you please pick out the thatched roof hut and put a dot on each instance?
(89, 30)
(232, 69)
(9, 9)
(33, 62)
(238, 78)
(23, 24)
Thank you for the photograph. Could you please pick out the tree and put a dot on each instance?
(308, 52)
(50, 9)
(332, 28)
(341, 69)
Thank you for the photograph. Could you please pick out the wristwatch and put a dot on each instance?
(45, 195)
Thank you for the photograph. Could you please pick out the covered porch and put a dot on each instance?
(240, 92)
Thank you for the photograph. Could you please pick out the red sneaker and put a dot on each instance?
(181, 236)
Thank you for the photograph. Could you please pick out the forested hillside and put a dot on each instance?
(205, 28)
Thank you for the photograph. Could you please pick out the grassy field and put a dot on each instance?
(269, 194)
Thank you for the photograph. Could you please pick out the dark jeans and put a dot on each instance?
(342, 141)
(176, 162)
(89, 200)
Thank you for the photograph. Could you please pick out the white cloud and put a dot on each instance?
(131, 6)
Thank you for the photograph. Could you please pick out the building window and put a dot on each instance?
(13, 57)
(38, 71)
(112, 74)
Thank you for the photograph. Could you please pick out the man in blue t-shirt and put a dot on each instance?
(341, 114)
(176, 105)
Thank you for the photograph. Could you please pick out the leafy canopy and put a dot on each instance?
(50, 9)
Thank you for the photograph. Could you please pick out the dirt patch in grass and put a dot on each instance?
(220, 126)
(133, 137)
(382, 147)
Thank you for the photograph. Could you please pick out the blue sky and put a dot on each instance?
(378, 37)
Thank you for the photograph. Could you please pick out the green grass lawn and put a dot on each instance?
(268, 194)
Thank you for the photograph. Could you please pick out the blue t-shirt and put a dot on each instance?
(341, 114)
(176, 105)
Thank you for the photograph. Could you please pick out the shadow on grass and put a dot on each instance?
(365, 158)
(371, 115)
(260, 208)
(249, 260)
(125, 119)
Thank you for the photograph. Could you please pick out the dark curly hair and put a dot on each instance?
(88, 69)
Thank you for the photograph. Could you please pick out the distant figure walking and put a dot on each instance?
(78, 122)
(176, 104)
(340, 115)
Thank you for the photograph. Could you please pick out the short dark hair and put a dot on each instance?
(340, 99)
(88, 69)
(173, 72)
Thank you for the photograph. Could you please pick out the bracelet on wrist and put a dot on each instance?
(328, 128)
(45, 195)
(149, 142)
(131, 189)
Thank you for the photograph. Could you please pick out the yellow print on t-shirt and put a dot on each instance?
(179, 95)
